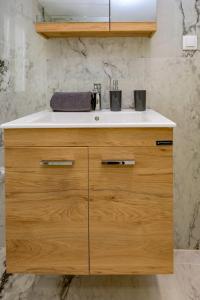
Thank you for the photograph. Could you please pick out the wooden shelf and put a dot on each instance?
(133, 29)
(54, 30)
(57, 30)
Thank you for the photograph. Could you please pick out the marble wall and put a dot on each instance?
(31, 69)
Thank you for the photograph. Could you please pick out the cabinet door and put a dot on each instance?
(76, 10)
(133, 17)
(130, 210)
(133, 11)
(47, 210)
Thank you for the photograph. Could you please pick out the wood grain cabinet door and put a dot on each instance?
(130, 210)
(47, 210)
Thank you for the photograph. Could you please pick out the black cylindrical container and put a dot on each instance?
(140, 100)
(93, 101)
(115, 100)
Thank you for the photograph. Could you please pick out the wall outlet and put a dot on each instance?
(190, 42)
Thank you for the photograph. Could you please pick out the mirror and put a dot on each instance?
(133, 10)
(75, 10)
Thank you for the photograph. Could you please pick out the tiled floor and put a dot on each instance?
(183, 285)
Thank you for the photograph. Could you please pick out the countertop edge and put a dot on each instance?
(28, 122)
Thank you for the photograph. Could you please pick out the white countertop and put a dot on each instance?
(127, 118)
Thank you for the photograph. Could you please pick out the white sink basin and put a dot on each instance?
(101, 119)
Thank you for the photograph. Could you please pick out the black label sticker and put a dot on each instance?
(164, 143)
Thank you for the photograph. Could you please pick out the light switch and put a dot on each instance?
(190, 42)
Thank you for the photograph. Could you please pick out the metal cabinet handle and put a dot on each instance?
(126, 162)
(56, 163)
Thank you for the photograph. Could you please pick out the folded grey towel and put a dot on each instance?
(62, 101)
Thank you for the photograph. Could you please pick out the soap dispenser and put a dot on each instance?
(115, 97)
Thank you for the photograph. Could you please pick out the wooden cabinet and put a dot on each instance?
(130, 211)
(105, 18)
(70, 209)
(47, 210)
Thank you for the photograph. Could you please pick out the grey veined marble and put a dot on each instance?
(182, 285)
(32, 68)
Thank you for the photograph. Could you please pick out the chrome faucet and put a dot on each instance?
(97, 94)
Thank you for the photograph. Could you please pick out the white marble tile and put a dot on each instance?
(2, 212)
(188, 277)
(2, 261)
(95, 60)
(2, 236)
(23, 56)
(180, 102)
(191, 257)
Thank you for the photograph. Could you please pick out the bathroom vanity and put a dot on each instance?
(89, 193)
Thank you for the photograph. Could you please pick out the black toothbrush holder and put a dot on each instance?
(115, 97)
(140, 100)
